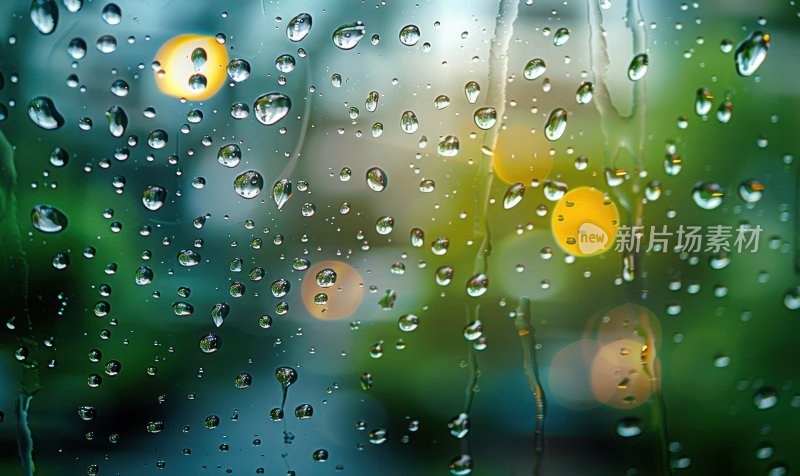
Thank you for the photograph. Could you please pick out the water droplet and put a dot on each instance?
(408, 322)
(238, 70)
(377, 179)
(117, 121)
(157, 139)
(271, 108)
(248, 184)
(281, 192)
(286, 376)
(299, 27)
(372, 101)
(347, 36)
(304, 411)
(219, 312)
(326, 278)
(229, 155)
(441, 102)
(472, 91)
(188, 258)
(751, 190)
(106, 44)
(448, 147)
(417, 237)
(485, 117)
(280, 288)
(765, 398)
(751, 53)
(629, 427)
(409, 35)
(48, 219)
(461, 465)
(477, 285)
(44, 114)
(444, 275)
(535, 68)
(73, 6)
(154, 196)
(77, 48)
(638, 67)
(792, 299)
(285, 63)
(408, 122)
(702, 102)
(584, 93)
(336, 80)
(513, 195)
(708, 195)
(111, 14)
(44, 15)
(210, 343)
(556, 124)
(384, 225)
(561, 36)
(440, 246)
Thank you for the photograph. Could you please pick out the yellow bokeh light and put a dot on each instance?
(344, 296)
(584, 222)
(177, 67)
(514, 159)
(619, 377)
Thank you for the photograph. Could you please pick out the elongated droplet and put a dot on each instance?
(584, 93)
(409, 122)
(346, 37)
(751, 52)
(556, 124)
(561, 36)
(377, 179)
(48, 219)
(44, 114)
(702, 101)
(372, 101)
(298, 27)
(472, 90)
(117, 120)
(513, 195)
(477, 285)
(219, 312)
(271, 108)
(725, 111)
(281, 192)
(485, 117)
(638, 67)
(44, 15)
(535, 68)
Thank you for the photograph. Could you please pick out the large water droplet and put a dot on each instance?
(708, 195)
(111, 14)
(271, 108)
(238, 70)
(535, 68)
(188, 258)
(281, 192)
(117, 121)
(751, 53)
(153, 197)
(48, 219)
(513, 195)
(287, 376)
(765, 398)
(459, 425)
(584, 93)
(377, 179)
(219, 312)
(229, 155)
(556, 124)
(461, 465)
(472, 90)
(408, 122)
(210, 343)
(448, 147)
(485, 117)
(347, 36)
(638, 67)
(298, 27)
(372, 101)
(561, 36)
(248, 184)
(44, 15)
(477, 285)
(44, 114)
(409, 35)
(702, 101)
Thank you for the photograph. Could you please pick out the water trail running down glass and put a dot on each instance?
(627, 132)
(17, 293)
(507, 12)
(523, 321)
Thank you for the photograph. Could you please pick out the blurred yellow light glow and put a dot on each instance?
(584, 222)
(619, 376)
(344, 296)
(514, 160)
(178, 67)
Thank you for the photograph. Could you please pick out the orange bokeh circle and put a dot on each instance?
(344, 296)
